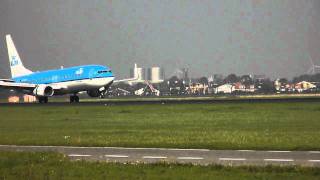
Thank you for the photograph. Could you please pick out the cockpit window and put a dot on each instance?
(104, 71)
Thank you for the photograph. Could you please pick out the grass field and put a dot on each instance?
(274, 126)
(15, 165)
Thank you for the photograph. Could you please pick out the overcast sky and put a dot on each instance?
(271, 37)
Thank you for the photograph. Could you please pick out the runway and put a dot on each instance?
(193, 156)
(164, 101)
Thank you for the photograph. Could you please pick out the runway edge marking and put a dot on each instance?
(116, 156)
(279, 160)
(154, 157)
(232, 159)
(79, 155)
(190, 158)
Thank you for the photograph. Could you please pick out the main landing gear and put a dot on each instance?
(74, 99)
(43, 100)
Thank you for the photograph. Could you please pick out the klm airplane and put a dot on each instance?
(94, 79)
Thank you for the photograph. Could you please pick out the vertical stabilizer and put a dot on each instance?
(16, 66)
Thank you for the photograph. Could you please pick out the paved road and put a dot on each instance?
(194, 156)
(184, 100)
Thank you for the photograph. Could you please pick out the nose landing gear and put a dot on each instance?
(43, 100)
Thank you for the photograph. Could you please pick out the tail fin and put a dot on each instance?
(17, 68)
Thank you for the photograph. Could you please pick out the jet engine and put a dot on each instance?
(43, 90)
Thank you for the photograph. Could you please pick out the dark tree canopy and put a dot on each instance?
(246, 80)
(231, 78)
(307, 77)
(203, 80)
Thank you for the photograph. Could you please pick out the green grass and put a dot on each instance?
(274, 126)
(15, 165)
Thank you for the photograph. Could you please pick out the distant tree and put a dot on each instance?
(218, 80)
(163, 87)
(307, 77)
(283, 81)
(265, 86)
(246, 80)
(173, 79)
(176, 85)
(304, 77)
(316, 78)
(231, 78)
(203, 80)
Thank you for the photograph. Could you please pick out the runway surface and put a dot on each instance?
(194, 156)
(183, 100)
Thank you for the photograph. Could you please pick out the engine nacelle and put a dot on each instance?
(43, 90)
(94, 93)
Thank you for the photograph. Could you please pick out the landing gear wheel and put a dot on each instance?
(43, 100)
(71, 99)
(74, 99)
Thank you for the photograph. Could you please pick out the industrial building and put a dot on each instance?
(138, 72)
(153, 74)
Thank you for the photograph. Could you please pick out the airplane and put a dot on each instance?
(93, 79)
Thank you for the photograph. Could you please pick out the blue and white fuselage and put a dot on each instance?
(71, 80)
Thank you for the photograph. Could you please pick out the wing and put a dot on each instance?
(6, 80)
(8, 84)
(126, 80)
(25, 87)
(130, 80)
